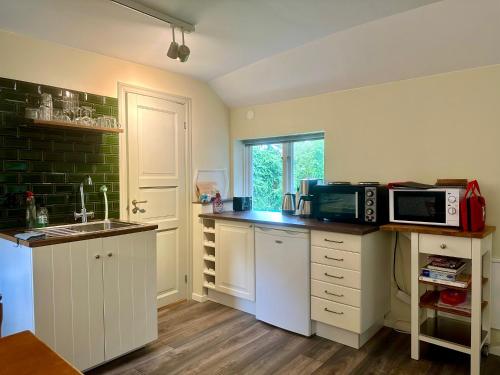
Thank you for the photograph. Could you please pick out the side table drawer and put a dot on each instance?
(458, 247)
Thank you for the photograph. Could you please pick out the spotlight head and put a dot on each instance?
(173, 50)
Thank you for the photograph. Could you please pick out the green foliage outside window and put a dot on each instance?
(308, 162)
(267, 177)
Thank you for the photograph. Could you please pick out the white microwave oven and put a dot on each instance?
(435, 206)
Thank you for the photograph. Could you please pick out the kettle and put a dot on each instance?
(305, 206)
(288, 206)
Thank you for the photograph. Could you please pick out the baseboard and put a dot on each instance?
(199, 298)
(495, 350)
(231, 301)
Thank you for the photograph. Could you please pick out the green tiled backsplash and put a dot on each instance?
(52, 162)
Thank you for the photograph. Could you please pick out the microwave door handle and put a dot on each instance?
(356, 208)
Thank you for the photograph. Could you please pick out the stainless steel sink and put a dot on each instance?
(74, 229)
(98, 226)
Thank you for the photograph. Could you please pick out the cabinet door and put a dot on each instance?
(68, 294)
(130, 314)
(235, 259)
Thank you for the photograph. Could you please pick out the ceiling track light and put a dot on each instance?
(138, 7)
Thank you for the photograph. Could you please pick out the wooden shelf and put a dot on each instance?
(210, 258)
(209, 272)
(450, 333)
(209, 244)
(485, 280)
(63, 125)
(208, 285)
(430, 300)
(209, 230)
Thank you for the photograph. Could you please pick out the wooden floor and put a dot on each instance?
(209, 338)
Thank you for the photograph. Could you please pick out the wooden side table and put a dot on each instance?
(468, 332)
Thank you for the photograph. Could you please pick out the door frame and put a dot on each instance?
(123, 90)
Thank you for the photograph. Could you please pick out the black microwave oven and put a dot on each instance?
(346, 203)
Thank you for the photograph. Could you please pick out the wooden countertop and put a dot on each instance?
(8, 234)
(276, 218)
(24, 354)
(443, 231)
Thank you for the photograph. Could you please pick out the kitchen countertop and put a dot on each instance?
(23, 353)
(276, 218)
(8, 234)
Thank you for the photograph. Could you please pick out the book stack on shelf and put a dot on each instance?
(446, 271)
(452, 281)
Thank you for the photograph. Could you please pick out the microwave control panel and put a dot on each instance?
(370, 204)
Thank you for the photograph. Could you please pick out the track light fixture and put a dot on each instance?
(178, 52)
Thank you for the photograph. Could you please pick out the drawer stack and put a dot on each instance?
(336, 279)
(350, 285)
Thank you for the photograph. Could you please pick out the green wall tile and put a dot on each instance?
(53, 162)
(15, 165)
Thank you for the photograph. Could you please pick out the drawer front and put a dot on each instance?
(335, 275)
(445, 245)
(337, 258)
(336, 314)
(336, 293)
(339, 241)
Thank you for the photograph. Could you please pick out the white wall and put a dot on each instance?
(47, 63)
(442, 126)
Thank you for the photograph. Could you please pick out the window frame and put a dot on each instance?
(287, 158)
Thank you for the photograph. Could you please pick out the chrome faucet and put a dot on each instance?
(83, 213)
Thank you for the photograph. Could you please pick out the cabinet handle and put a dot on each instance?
(335, 277)
(333, 294)
(278, 241)
(110, 255)
(337, 259)
(334, 312)
(327, 240)
(97, 256)
(443, 246)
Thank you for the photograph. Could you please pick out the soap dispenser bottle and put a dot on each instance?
(30, 210)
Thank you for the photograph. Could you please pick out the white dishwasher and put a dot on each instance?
(283, 291)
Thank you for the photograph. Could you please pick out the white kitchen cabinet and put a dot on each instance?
(350, 278)
(235, 259)
(90, 300)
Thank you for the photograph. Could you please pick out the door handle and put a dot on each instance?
(137, 209)
(335, 277)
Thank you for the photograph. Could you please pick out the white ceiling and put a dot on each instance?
(256, 51)
(229, 34)
(442, 37)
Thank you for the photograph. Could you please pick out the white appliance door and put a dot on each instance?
(283, 293)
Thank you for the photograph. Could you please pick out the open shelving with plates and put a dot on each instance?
(64, 125)
(209, 254)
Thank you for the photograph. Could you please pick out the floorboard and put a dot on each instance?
(208, 338)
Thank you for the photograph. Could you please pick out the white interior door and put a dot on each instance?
(156, 172)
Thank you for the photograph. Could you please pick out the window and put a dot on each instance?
(276, 166)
